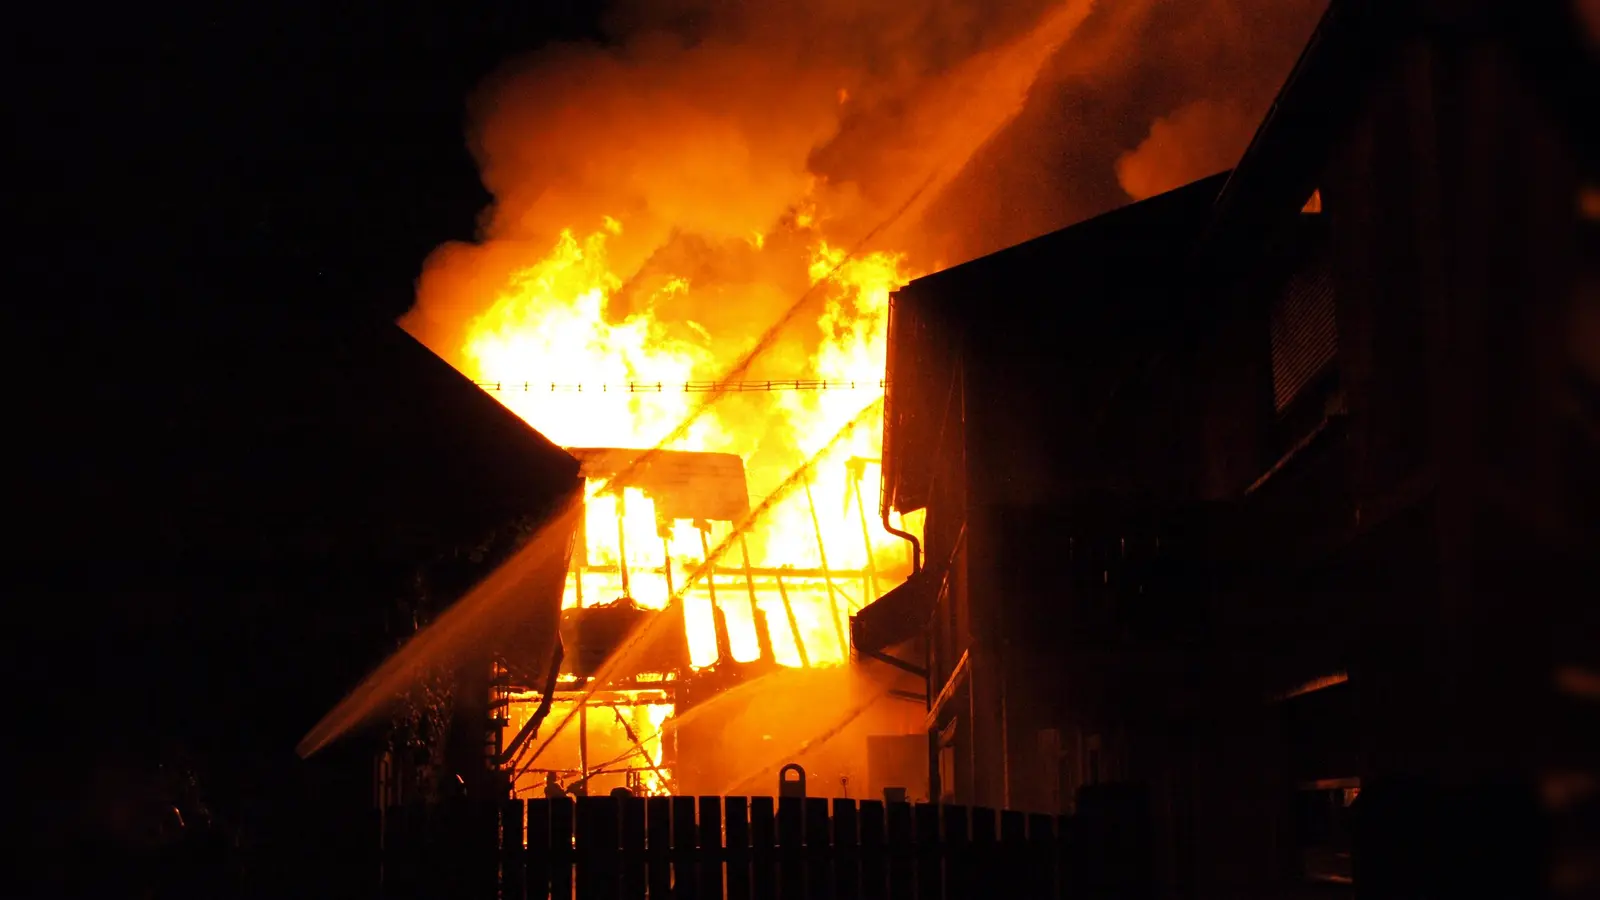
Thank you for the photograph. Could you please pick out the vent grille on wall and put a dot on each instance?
(1305, 338)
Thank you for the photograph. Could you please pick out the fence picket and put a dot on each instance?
(710, 848)
(685, 840)
(633, 849)
(513, 857)
(902, 850)
(402, 853)
(1014, 846)
(874, 849)
(957, 854)
(763, 847)
(846, 851)
(819, 849)
(455, 849)
(985, 869)
(583, 848)
(791, 848)
(736, 824)
(370, 861)
(479, 849)
(560, 848)
(426, 853)
(439, 833)
(1041, 856)
(597, 848)
(1064, 848)
(930, 852)
(484, 837)
(469, 849)
(658, 830)
(538, 850)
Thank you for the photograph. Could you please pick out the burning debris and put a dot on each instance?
(645, 564)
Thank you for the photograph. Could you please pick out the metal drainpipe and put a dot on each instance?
(916, 545)
(936, 787)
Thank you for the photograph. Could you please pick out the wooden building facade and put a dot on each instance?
(1268, 498)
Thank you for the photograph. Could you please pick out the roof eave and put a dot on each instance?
(1347, 52)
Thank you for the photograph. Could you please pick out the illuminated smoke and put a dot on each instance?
(1200, 139)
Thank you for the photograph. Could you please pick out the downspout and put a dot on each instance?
(884, 494)
(935, 790)
(916, 545)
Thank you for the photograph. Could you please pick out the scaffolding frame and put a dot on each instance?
(757, 581)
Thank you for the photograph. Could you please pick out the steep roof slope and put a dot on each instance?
(264, 438)
(220, 514)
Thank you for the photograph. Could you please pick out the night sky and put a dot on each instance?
(189, 171)
(291, 154)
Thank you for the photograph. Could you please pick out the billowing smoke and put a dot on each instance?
(700, 128)
(1130, 64)
(701, 125)
(1197, 140)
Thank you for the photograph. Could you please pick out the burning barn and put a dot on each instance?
(1245, 532)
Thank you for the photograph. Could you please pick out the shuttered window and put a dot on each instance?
(1305, 338)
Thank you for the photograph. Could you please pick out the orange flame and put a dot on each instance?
(551, 326)
(816, 557)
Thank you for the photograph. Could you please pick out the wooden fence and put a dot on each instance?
(758, 848)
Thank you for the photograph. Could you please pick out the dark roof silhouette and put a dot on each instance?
(1352, 54)
(1041, 279)
(237, 439)
(224, 511)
